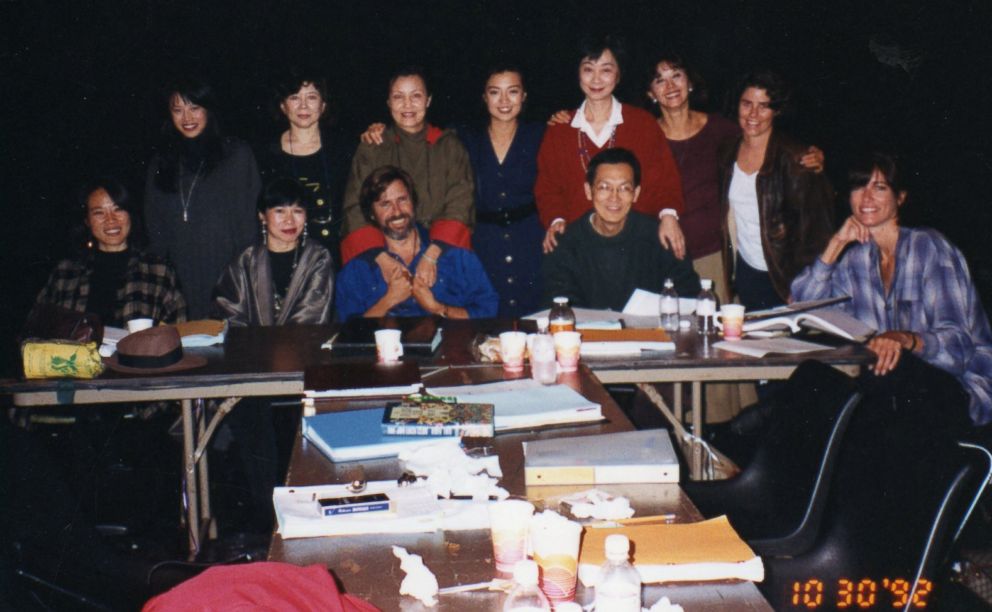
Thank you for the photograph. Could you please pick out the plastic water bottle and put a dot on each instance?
(526, 596)
(706, 308)
(543, 360)
(562, 317)
(668, 307)
(619, 586)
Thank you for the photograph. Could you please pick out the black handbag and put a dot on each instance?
(58, 323)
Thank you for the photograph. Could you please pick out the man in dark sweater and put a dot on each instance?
(610, 251)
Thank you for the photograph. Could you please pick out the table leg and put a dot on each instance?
(677, 400)
(204, 472)
(697, 426)
(190, 484)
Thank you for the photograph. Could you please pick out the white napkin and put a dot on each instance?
(597, 504)
(664, 605)
(419, 581)
(451, 472)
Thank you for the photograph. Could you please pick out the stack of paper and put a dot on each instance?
(762, 346)
(689, 552)
(297, 515)
(621, 342)
(526, 403)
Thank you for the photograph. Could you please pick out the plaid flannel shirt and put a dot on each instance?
(150, 289)
(931, 295)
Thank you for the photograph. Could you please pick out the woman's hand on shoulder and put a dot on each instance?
(373, 134)
(813, 159)
(550, 242)
(671, 237)
(562, 117)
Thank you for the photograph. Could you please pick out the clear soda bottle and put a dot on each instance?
(619, 585)
(543, 361)
(562, 317)
(706, 308)
(526, 596)
(668, 307)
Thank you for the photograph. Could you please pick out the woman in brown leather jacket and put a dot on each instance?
(777, 215)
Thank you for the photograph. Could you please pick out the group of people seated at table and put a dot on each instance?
(497, 219)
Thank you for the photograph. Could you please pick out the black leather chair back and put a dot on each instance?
(776, 503)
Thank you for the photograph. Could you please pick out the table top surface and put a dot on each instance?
(281, 354)
(367, 568)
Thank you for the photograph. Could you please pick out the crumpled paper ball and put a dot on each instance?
(597, 504)
(419, 581)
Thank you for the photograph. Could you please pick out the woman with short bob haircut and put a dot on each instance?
(286, 278)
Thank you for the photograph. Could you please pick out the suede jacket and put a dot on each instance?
(795, 205)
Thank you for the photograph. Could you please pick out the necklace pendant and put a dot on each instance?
(185, 216)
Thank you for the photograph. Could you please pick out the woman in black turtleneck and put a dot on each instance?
(201, 193)
(112, 278)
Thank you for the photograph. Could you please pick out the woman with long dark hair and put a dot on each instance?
(200, 194)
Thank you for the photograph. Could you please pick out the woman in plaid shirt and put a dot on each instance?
(112, 279)
(934, 345)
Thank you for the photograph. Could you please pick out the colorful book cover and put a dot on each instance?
(434, 417)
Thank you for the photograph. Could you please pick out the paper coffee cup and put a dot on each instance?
(730, 319)
(136, 325)
(512, 345)
(555, 544)
(388, 346)
(509, 521)
(567, 347)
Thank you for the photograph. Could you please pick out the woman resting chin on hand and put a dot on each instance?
(934, 341)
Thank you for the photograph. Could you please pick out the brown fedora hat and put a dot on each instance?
(152, 351)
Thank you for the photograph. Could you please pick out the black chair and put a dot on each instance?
(776, 502)
(901, 498)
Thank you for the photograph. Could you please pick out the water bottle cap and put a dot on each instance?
(525, 572)
(668, 283)
(568, 606)
(617, 546)
(561, 300)
(706, 283)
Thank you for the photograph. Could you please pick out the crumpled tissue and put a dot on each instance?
(419, 581)
(597, 504)
(450, 471)
(665, 605)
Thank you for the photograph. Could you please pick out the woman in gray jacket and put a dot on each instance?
(285, 278)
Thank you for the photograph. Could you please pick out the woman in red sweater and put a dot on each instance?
(602, 122)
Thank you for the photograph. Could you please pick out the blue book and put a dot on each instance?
(357, 434)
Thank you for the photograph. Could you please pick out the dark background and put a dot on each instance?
(81, 87)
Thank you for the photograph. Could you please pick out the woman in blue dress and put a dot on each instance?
(503, 154)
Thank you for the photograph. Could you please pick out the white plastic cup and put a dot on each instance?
(555, 543)
(388, 346)
(136, 325)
